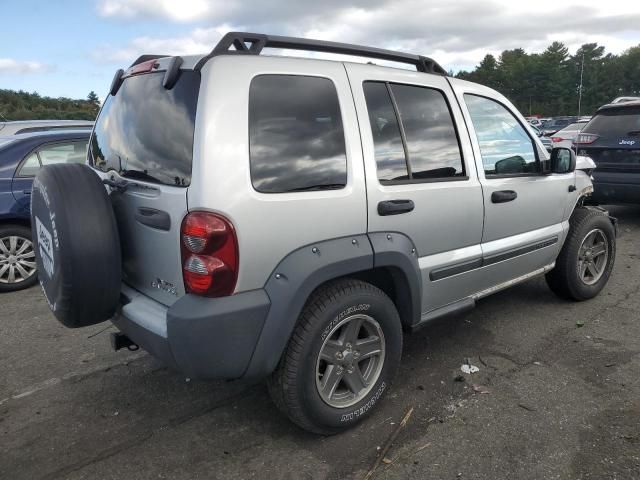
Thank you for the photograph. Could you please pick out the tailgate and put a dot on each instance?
(143, 141)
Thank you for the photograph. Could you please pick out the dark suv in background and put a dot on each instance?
(612, 140)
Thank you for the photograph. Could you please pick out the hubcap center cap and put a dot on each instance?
(347, 357)
(12, 259)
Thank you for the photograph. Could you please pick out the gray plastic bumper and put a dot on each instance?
(202, 337)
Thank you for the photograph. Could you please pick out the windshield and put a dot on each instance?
(615, 122)
(145, 131)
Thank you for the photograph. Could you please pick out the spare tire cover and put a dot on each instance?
(77, 245)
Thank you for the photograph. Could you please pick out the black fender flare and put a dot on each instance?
(302, 271)
(397, 252)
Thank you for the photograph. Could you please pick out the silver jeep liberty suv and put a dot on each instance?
(243, 216)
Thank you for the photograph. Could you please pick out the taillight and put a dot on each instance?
(209, 254)
(585, 138)
(556, 139)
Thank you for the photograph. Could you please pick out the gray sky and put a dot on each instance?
(457, 33)
(74, 46)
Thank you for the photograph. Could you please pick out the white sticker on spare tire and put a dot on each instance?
(45, 244)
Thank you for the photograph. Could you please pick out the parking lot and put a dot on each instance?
(557, 396)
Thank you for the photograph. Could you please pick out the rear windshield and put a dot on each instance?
(615, 122)
(145, 131)
(575, 126)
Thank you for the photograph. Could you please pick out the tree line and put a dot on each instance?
(548, 83)
(22, 105)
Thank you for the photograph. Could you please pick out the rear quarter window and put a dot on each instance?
(296, 137)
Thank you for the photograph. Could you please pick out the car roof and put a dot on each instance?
(58, 134)
(619, 106)
(11, 127)
(45, 136)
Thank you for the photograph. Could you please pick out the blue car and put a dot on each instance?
(20, 158)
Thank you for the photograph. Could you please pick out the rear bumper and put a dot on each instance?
(201, 337)
(610, 187)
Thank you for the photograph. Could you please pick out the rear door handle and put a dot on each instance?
(503, 196)
(395, 207)
(27, 192)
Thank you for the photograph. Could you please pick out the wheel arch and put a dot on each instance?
(392, 267)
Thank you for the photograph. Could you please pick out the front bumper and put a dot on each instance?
(209, 338)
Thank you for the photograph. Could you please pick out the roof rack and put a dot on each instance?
(253, 43)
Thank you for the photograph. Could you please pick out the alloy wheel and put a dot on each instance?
(593, 255)
(17, 259)
(350, 361)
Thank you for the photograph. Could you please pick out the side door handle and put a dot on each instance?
(27, 192)
(395, 207)
(503, 196)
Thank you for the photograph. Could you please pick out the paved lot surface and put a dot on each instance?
(563, 401)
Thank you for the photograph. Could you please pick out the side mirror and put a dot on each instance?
(563, 160)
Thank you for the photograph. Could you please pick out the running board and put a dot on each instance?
(468, 303)
(509, 283)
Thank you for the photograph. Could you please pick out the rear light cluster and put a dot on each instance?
(209, 248)
(556, 139)
(585, 138)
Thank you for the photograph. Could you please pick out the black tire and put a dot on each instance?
(23, 234)
(77, 244)
(565, 280)
(293, 385)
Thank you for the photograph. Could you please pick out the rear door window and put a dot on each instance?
(423, 145)
(61, 152)
(75, 152)
(30, 166)
(296, 137)
(387, 139)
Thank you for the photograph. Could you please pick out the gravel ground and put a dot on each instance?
(560, 400)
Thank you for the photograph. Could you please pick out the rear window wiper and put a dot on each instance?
(139, 175)
(320, 186)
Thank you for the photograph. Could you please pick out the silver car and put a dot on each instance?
(31, 126)
(253, 216)
(565, 137)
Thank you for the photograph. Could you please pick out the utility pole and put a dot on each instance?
(580, 87)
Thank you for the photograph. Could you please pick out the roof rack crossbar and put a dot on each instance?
(253, 44)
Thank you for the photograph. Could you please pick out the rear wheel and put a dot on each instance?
(17, 258)
(341, 358)
(587, 257)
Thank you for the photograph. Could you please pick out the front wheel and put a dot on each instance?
(341, 358)
(585, 263)
(17, 258)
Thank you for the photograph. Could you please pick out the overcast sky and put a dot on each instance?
(69, 47)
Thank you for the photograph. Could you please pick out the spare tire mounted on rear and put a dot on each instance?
(77, 245)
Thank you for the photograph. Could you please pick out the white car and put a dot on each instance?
(566, 136)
